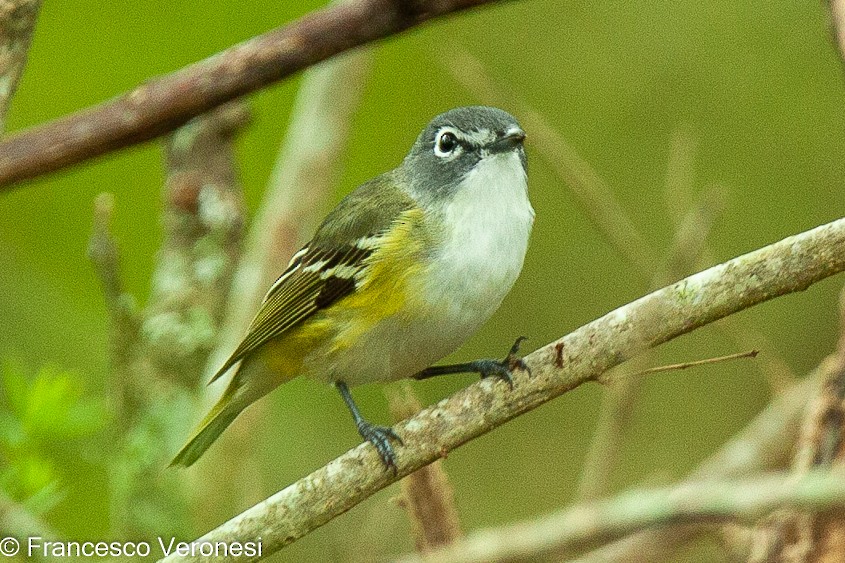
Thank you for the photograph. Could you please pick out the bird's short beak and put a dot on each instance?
(512, 139)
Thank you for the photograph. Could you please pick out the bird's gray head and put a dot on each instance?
(455, 142)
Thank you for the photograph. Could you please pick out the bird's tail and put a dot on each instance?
(214, 423)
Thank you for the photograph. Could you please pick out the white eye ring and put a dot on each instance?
(446, 143)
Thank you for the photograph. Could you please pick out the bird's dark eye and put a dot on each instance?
(446, 143)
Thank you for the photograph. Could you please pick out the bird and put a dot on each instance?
(398, 275)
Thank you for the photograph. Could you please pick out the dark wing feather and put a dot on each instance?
(297, 295)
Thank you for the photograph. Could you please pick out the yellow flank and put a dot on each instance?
(383, 292)
(384, 288)
(282, 357)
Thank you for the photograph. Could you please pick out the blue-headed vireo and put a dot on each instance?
(397, 276)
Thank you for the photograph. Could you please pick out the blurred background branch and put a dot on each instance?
(790, 534)
(203, 223)
(764, 445)
(426, 494)
(837, 25)
(584, 526)
(18, 522)
(161, 105)
(158, 353)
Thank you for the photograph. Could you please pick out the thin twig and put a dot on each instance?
(687, 365)
(790, 265)
(691, 231)
(123, 312)
(574, 529)
(104, 254)
(17, 23)
(614, 420)
(163, 104)
(620, 400)
(678, 191)
(689, 250)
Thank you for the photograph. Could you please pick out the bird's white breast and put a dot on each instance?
(488, 222)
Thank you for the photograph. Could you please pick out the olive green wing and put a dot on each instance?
(327, 268)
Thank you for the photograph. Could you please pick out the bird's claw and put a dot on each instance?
(380, 436)
(513, 360)
(503, 369)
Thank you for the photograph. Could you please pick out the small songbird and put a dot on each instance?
(398, 275)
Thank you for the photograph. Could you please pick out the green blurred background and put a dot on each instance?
(756, 86)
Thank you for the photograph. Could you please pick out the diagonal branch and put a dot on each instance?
(763, 445)
(790, 265)
(165, 103)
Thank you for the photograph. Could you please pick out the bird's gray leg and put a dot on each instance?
(378, 436)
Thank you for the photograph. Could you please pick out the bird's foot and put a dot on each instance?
(380, 436)
(503, 369)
